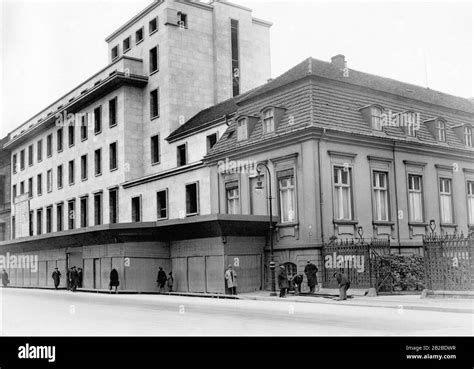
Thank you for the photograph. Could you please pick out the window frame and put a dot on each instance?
(235, 185)
(114, 190)
(196, 183)
(155, 149)
(178, 155)
(49, 145)
(336, 186)
(139, 197)
(154, 106)
(157, 61)
(115, 156)
(470, 201)
(49, 180)
(84, 167)
(440, 130)
(59, 175)
(422, 197)
(141, 29)
(98, 120)
(155, 21)
(71, 173)
(266, 119)
(467, 134)
(30, 155)
(242, 122)
(98, 215)
(116, 52)
(386, 189)
(449, 180)
(84, 215)
(129, 40)
(113, 102)
(98, 151)
(158, 213)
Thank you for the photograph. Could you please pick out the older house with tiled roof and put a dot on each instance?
(350, 153)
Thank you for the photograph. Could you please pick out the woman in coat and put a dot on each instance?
(283, 283)
(5, 279)
(114, 280)
(231, 280)
(56, 277)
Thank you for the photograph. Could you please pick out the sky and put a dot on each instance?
(49, 47)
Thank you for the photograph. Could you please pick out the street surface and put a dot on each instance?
(29, 312)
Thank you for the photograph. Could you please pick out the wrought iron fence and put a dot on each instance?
(449, 262)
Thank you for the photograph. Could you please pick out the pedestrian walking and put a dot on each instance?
(343, 283)
(298, 281)
(161, 279)
(170, 282)
(283, 283)
(5, 279)
(69, 279)
(79, 277)
(56, 277)
(114, 280)
(231, 280)
(74, 279)
(310, 270)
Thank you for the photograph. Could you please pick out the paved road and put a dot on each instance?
(45, 312)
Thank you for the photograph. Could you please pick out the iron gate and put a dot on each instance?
(361, 261)
(449, 262)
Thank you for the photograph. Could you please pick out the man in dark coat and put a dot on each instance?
(310, 270)
(5, 279)
(114, 280)
(56, 277)
(298, 281)
(69, 278)
(283, 283)
(79, 277)
(161, 279)
(343, 283)
(74, 278)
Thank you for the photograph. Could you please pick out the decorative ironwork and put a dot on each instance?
(360, 260)
(449, 262)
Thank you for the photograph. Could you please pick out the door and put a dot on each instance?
(196, 274)
(97, 273)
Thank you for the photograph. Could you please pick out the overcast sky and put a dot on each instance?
(47, 48)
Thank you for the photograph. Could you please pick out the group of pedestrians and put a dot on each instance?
(73, 278)
(162, 280)
(288, 281)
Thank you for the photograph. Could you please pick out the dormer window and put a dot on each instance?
(467, 136)
(376, 118)
(440, 131)
(242, 129)
(268, 121)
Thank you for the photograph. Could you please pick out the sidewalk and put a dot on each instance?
(357, 298)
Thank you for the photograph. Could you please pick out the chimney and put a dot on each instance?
(339, 61)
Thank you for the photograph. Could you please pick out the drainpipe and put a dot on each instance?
(396, 195)
(320, 185)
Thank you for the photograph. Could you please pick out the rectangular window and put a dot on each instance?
(60, 176)
(14, 163)
(71, 214)
(154, 104)
(39, 184)
(155, 149)
(113, 206)
(411, 129)
(98, 162)
(446, 200)
(22, 159)
(22, 187)
(113, 112)
(211, 140)
(242, 129)
(162, 204)
(31, 222)
(49, 219)
(136, 209)
(113, 156)
(181, 155)
(182, 20)
(440, 131)
(13, 228)
(286, 186)
(98, 120)
(30, 155)
(39, 221)
(154, 59)
(98, 208)
(138, 35)
(232, 197)
(415, 198)
(467, 136)
(342, 193)
(152, 26)
(49, 145)
(49, 180)
(84, 212)
(268, 121)
(30, 188)
(114, 52)
(192, 199)
(71, 135)
(2, 189)
(71, 172)
(84, 169)
(376, 118)
(380, 196)
(59, 217)
(84, 126)
(234, 37)
(126, 44)
(470, 201)
(39, 148)
(14, 194)
(59, 140)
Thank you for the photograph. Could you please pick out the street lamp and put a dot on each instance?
(259, 187)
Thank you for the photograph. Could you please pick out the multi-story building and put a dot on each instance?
(95, 183)
(349, 153)
(5, 197)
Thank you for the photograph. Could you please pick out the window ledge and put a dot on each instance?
(154, 72)
(138, 42)
(98, 174)
(192, 214)
(287, 224)
(345, 222)
(113, 169)
(153, 32)
(383, 223)
(153, 164)
(418, 224)
(113, 125)
(448, 225)
(155, 117)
